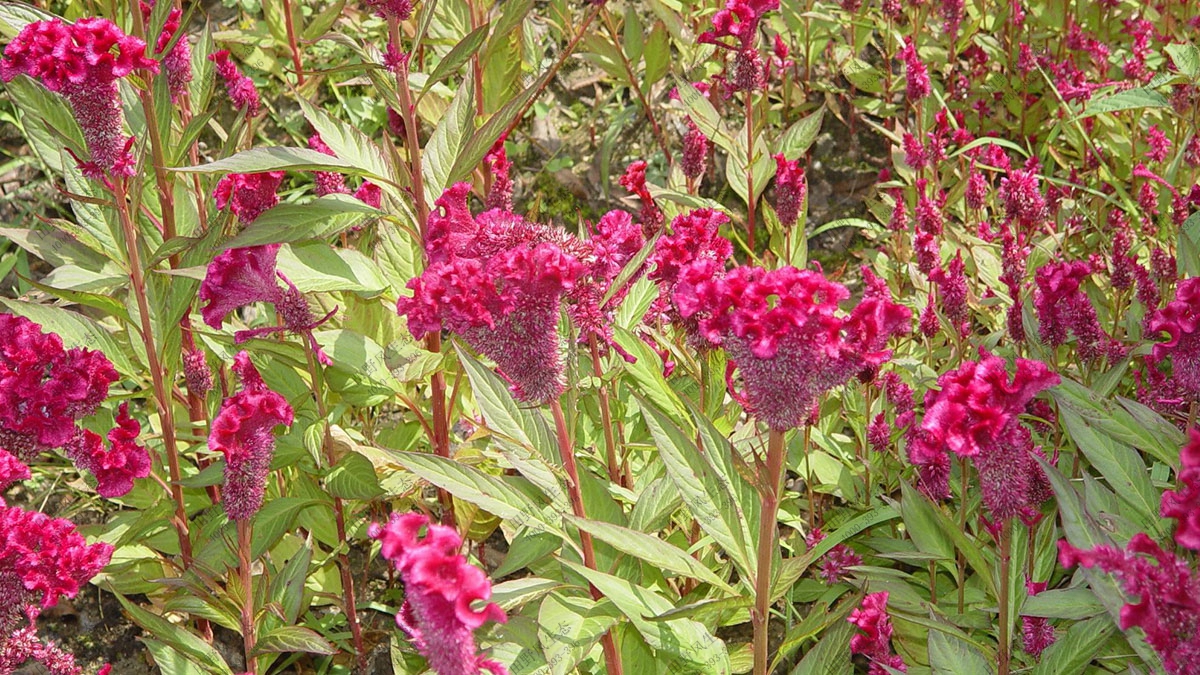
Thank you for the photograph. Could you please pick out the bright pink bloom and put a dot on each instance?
(952, 288)
(1184, 504)
(914, 152)
(634, 180)
(1160, 145)
(399, 10)
(248, 195)
(790, 190)
(976, 189)
(1180, 320)
(23, 646)
(369, 194)
(1063, 306)
(879, 434)
(929, 323)
(196, 372)
(327, 182)
(613, 243)
(177, 63)
(929, 211)
(694, 237)
(116, 468)
(917, 85)
(739, 20)
(782, 332)
(244, 431)
(501, 194)
(79, 62)
(899, 394)
(12, 470)
(240, 88)
(1036, 632)
(836, 563)
(1169, 606)
(1022, 198)
(45, 388)
(875, 641)
(445, 597)
(695, 152)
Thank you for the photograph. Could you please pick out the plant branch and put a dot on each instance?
(768, 542)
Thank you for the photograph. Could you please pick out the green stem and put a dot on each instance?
(768, 543)
(244, 570)
(1005, 563)
(610, 441)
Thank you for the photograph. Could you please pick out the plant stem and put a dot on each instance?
(654, 127)
(750, 169)
(566, 451)
(248, 630)
(768, 542)
(291, 36)
(318, 386)
(962, 526)
(610, 441)
(1005, 563)
(808, 480)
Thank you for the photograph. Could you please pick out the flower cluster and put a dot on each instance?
(1036, 632)
(244, 431)
(12, 470)
(634, 180)
(248, 195)
(333, 183)
(740, 20)
(78, 61)
(176, 62)
(239, 87)
(875, 640)
(694, 238)
(782, 331)
(115, 468)
(1062, 306)
(1184, 504)
(836, 564)
(445, 597)
(790, 190)
(1180, 320)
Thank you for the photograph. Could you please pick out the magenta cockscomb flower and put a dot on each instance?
(694, 159)
(1036, 632)
(445, 597)
(916, 75)
(44, 388)
(196, 372)
(500, 196)
(1022, 198)
(369, 194)
(117, 467)
(952, 289)
(612, 244)
(23, 646)
(238, 86)
(248, 195)
(1063, 306)
(399, 10)
(1180, 320)
(83, 61)
(242, 276)
(326, 182)
(836, 564)
(977, 187)
(12, 470)
(244, 431)
(634, 180)
(1168, 590)
(914, 152)
(176, 63)
(791, 187)
(875, 640)
(783, 333)
(739, 20)
(1183, 504)
(694, 236)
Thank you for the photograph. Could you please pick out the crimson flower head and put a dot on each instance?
(326, 182)
(500, 196)
(1063, 306)
(1184, 504)
(695, 152)
(242, 276)
(782, 331)
(790, 190)
(916, 74)
(12, 470)
(694, 237)
(115, 468)
(399, 10)
(1022, 198)
(83, 61)
(248, 195)
(634, 180)
(177, 63)
(875, 640)
(1168, 608)
(244, 431)
(836, 564)
(740, 20)
(44, 388)
(238, 86)
(1180, 320)
(445, 597)
(1036, 632)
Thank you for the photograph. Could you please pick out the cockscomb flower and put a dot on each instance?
(634, 180)
(1184, 504)
(506, 307)
(1180, 320)
(1159, 144)
(196, 372)
(176, 63)
(694, 236)
(399, 10)
(782, 332)
(916, 75)
(500, 196)
(78, 61)
(875, 641)
(612, 244)
(445, 597)
(1036, 632)
(790, 190)
(1022, 199)
(1168, 590)
(369, 194)
(242, 276)
(12, 470)
(695, 152)
(327, 182)
(976, 189)
(244, 431)
(23, 645)
(914, 152)
(836, 564)
(248, 195)
(740, 20)
(115, 468)
(952, 289)
(1062, 306)
(239, 87)
(44, 388)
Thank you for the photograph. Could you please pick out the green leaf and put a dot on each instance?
(863, 75)
(277, 158)
(1186, 58)
(650, 549)
(354, 478)
(287, 587)
(448, 140)
(705, 116)
(800, 136)
(178, 638)
(346, 142)
(793, 568)
(948, 655)
(359, 366)
(970, 550)
(500, 411)
(657, 55)
(646, 371)
(486, 135)
(293, 639)
(320, 218)
(517, 593)
(568, 627)
(50, 127)
(1130, 99)
(171, 661)
(275, 518)
(1146, 430)
(831, 656)
(317, 267)
(1062, 603)
(458, 55)
(921, 523)
(1189, 246)
(1071, 653)
(14, 16)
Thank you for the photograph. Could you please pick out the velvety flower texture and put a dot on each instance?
(45, 388)
(836, 563)
(176, 63)
(694, 237)
(1168, 608)
(79, 62)
(240, 88)
(248, 195)
(782, 331)
(42, 559)
(242, 276)
(634, 180)
(875, 640)
(244, 431)
(695, 152)
(1063, 306)
(399, 10)
(612, 244)
(115, 468)
(1036, 632)
(739, 20)
(327, 182)
(441, 593)
(790, 190)
(12, 470)
(1184, 504)
(500, 196)
(1180, 320)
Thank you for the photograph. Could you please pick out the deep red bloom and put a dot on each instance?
(196, 372)
(369, 194)
(790, 190)
(248, 195)
(1184, 504)
(875, 641)
(1036, 632)
(399, 10)
(1180, 320)
(441, 594)
(1169, 606)
(634, 180)
(78, 61)
(694, 237)
(914, 152)
(976, 189)
(1062, 306)
(42, 559)
(327, 182)
(952, 288)
(116, 468)
(244, 431)
(1160, 145)
(836, 563)
(177, 63)
(240, 88)
(501, 194)
(1022, 198)
(695, 152)
(917, 85)
(739, 20)
(12, 470)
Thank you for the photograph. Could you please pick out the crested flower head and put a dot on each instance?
(1184, 504)
(244, 431)
(782, 331)
(1168, 590)
(790, 190)
(952, 289)
(115, 468)
(44, 388)
(83, 61)
(1180, 320)
(1062, 306)
(500, 196)
(1022, 198)
(836, 563)
(875, 640)
(176, 63)
(248, 195)
(445, 597)
(613, 243)
(694, 237)
(239, 87)
(695, 152)
(739, 20)
(917, 85)
(12, 470)
(634, 180)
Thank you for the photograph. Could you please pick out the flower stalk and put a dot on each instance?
(1005, 544)
(768, 543)
(249, 637)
